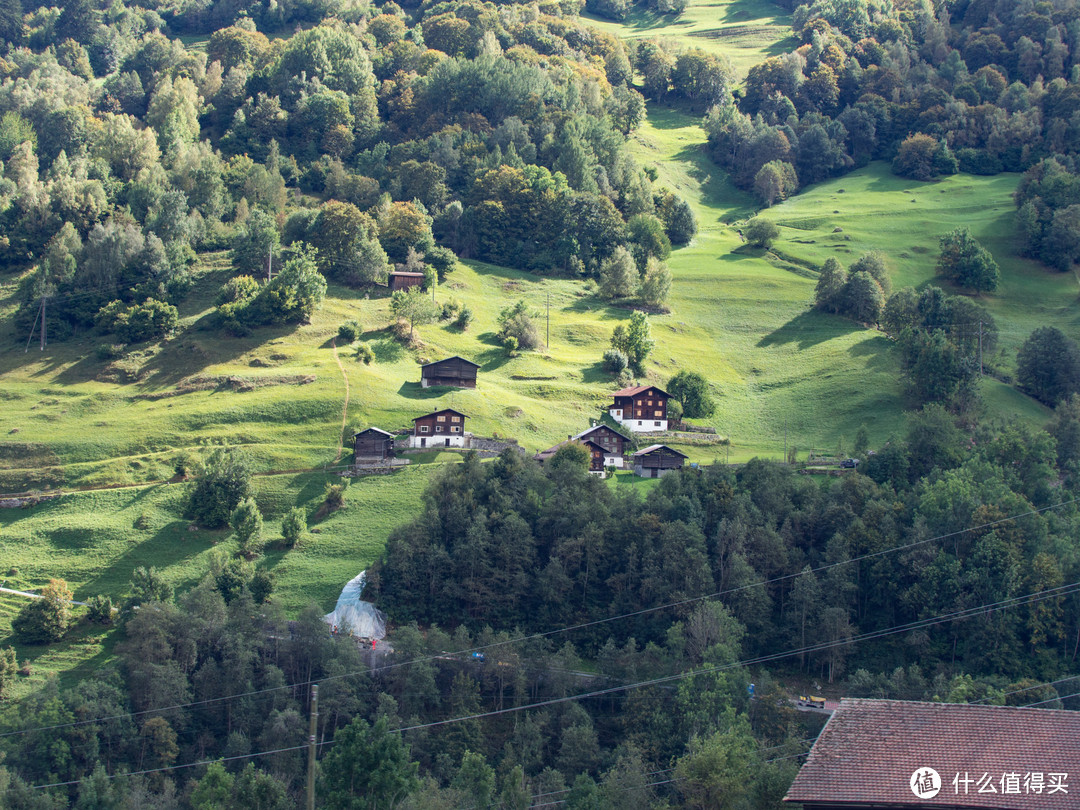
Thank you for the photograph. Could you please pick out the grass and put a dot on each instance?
(744, 31)
(94, 541)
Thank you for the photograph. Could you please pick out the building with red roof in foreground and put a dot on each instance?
(904, 755)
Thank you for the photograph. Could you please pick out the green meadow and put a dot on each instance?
(744, 31)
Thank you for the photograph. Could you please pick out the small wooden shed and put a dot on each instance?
(455, 371)
(373, 444)
(404, 279)
(657, 460)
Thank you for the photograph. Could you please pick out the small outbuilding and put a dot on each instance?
(404, 279)
(596, 453)
(454, 371)
(910, 755)
(373, 444)
(445, 428)
(657, 460)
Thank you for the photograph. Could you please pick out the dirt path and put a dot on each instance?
(345, 407)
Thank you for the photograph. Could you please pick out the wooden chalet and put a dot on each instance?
(596, 453)
(404, 279)
(657, 460)
(373, 444)
(906, 755)
(641, 408)
(445, 428)
(455, 371)
(613, 443)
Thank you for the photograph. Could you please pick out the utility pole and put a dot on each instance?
(980, 350)
(785, 439)
(547, 340)
(311, 747)
(44, 308)
(30, 337)
(269, 262)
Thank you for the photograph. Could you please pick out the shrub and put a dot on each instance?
(46, 619)
(294, 526)
(517, 322)
(100, 609)
(364, 354)
(335, 496)
(511, 344)
(109, 351)
(9, 666)
(348, 332)
(464, 318)
(760, 232)
(146, 321)
(615, 362)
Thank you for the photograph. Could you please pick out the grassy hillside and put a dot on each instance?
(745, 31)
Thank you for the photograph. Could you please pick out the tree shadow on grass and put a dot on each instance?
(413, 390)
(875, 350)
(808, 329)
(385, 349)
(597, 375)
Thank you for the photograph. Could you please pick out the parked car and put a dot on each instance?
(849, 463)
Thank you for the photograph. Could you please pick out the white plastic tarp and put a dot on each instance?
(355, 616)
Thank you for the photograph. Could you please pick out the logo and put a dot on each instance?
(925, 783)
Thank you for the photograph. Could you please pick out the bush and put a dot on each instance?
(760, 232)
(348, 332)
(109, 351)
(47, 619)
(100, 609)
(146, 321)
(464, 318)
(9, 666)
(226, 480)
(364, 354)
(615, 362)
(335, 496)
(511, 345)
(517, 322)
(294, 526)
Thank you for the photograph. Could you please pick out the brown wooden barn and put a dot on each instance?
(641, 408)
(445, 428)
(455, 371)
(373, 444)
(909, 755)
(404, 279)
(657, 460)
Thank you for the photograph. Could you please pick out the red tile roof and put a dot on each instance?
(869, 749)
(637, 389)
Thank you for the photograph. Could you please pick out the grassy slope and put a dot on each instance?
(745, 31)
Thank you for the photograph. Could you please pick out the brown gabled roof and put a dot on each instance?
(652, 447)
(448, 359)
(869, 749)
(637, 389)
(380, 431)
(544, 455)
(444, 410)
(595, 428)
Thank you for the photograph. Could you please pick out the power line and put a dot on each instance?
(556, 631)
(1031, 598)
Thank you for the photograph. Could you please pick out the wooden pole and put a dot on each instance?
(311, 747)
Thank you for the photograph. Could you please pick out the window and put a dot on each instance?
(455, 418)
(440, 418)
(438, 428)
(656, 424)
(658, 414)
(423, 428)
(455, 428)
(650, 403)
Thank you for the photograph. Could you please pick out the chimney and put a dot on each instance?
(569, 436)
